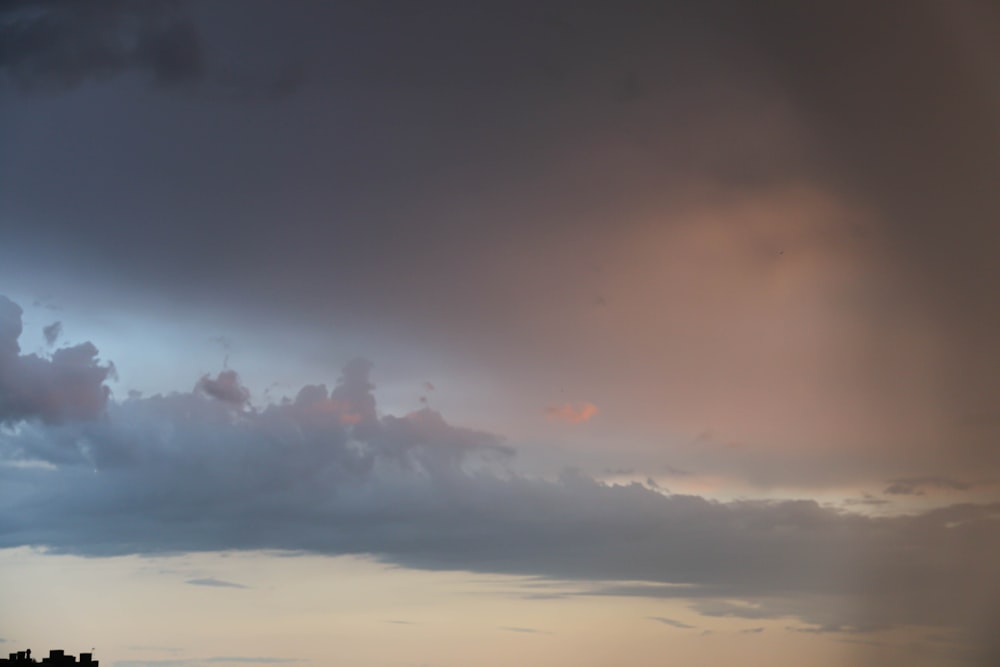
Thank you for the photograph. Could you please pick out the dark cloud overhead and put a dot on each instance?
(391, 193)
(59, 44)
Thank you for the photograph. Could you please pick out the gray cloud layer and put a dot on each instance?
(327, 473)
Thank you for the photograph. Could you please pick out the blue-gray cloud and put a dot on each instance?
(225, 387)
(52, 333)
(327, 472)
(916, 486)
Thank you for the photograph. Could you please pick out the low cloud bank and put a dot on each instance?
(326, 472)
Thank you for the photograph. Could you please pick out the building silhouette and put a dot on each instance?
(55, 657)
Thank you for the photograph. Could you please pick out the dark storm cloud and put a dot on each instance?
(64, 386)
(426, 139)
(57, 45)
(392, 194)
(905, 101)
(47, 44)
(402, 113)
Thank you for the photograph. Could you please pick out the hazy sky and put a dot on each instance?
(476, 333)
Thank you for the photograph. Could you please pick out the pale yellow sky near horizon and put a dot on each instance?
(352, 611)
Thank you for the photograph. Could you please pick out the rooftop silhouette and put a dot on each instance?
(55, 657)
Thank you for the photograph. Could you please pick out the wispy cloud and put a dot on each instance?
(158, 649)
(917, 486)
(212, 581)
(250, 660)
(671, 622)
(194, 662)
(529, 631)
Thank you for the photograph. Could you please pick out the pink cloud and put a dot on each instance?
(574, 413)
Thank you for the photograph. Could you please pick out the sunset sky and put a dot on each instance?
(454, 334)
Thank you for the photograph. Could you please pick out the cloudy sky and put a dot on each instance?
(391, 334)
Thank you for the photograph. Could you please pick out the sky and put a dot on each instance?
(399, 334)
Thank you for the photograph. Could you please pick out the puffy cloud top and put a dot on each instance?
(67, 385)
(225, 387)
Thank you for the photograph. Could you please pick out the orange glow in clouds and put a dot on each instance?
(573, 413)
